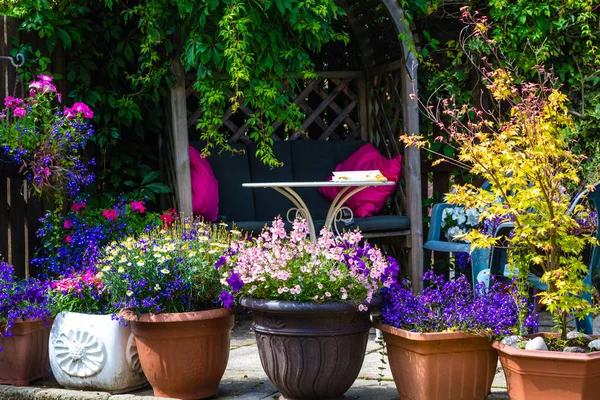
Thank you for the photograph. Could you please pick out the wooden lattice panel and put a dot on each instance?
(330, 105)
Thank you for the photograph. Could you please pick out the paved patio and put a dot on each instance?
(243, 379)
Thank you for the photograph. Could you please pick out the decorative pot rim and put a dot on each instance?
(131, 316)
(428, 336)
(85, 314)
(545, 355)
(291, 306)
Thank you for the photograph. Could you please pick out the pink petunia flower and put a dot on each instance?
(68, 224)
(110, 215)
(45, 78)
(36, 85)
(77, 207)
(137, 206)
(167, 218)
(83, 109)
(19, 112)
(12, 102)
(68, 239)
(69, 113)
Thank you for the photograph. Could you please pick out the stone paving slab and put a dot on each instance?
(244, 378)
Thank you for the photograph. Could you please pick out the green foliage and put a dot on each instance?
(101, 53)
(559, 35)
(242, 54)
(525, 154)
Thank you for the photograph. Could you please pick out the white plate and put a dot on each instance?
(367, 176)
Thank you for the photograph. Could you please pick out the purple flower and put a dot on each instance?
(451, 305)
(220, 262)
(235, 282)
(227, 299)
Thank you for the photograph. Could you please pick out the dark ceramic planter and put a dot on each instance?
(310, 350)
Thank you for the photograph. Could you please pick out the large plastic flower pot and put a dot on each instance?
(184, 355)
(24, 357)
(549, 375)
(440, 366)
(310, 350)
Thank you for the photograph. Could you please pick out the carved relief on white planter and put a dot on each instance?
(94, 352)
(79, 353)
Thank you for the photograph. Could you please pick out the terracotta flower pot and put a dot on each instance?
(549, 375)
(447, 365)
(184, 355)
(310, 350)
(24, 357)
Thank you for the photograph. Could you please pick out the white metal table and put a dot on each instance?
(349, 188)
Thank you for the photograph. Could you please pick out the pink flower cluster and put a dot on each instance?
(75, 283)
(43, 85)
(16, 105)
(78, 108)
(278, 265)
(110, 214)
(78, 207)
(138, 206)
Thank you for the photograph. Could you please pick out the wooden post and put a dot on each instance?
(412, 168)
(179, 130)
(412, 157)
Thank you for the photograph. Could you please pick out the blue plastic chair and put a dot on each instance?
(480, 258)
(499, 258)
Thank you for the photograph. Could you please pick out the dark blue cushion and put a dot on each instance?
(378, 223)
(236, 203)
(268, 202)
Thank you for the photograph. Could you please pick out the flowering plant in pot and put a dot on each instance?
(171, 291)
(25, 317)
(72, 241)
(47, 140)
(525, 153)
(449, 323)
(299, 289)
(89, 349)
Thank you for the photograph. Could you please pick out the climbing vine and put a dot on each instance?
(243, 53)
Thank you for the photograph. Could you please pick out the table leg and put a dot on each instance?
(338, 203)
(301, 206)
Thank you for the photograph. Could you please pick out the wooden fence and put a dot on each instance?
(19, 212)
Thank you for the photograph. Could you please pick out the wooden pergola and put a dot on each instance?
(375, 101)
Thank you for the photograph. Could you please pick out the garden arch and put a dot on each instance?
(374, 101)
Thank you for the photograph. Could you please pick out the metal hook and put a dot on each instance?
(20, 59)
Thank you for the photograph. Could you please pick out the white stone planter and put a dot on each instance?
(94, 352)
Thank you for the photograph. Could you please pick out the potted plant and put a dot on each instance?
(447, 327)
(310, 301)
(170, 292)
(89, 349)
(525, 153)
(46, 141)
(24, 327)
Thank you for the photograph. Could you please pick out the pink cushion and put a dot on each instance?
(205, 187)
(371, 200)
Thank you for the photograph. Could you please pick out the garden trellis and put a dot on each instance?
(376, 101)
